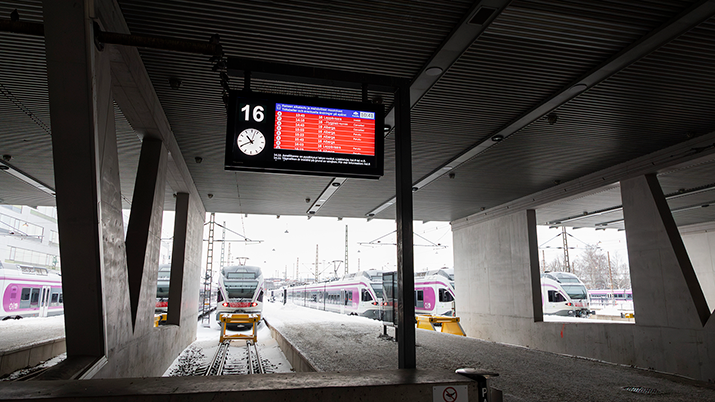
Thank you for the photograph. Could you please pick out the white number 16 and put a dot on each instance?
(257, 113)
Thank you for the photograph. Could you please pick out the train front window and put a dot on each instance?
(240, 289)
(378, 290)
(445, 296)
(162, 290)
(366, 296)
(556, 297)
(240, 275)
(576, 292)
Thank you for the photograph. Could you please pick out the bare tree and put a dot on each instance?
(591, 266)
(621, 272)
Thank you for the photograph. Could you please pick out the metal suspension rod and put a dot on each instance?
(210, 48)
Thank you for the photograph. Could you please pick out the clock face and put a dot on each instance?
(251, 141)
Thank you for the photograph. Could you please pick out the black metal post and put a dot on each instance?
(405, 257)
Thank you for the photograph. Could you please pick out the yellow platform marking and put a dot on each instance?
(450, 325)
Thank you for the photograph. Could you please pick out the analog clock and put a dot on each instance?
(251, 141)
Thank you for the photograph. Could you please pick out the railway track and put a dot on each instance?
(225, 361)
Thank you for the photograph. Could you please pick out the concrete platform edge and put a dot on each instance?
(31, 355)
(297, 359)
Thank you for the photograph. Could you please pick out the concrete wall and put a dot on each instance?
(494, 301)
(109, 282)
(700, 243)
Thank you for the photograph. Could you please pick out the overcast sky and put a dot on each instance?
(279, 252)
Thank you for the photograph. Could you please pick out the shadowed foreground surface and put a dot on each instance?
(333, 342)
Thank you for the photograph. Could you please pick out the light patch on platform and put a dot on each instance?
(450, 393)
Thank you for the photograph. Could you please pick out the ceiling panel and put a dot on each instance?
(532, 51)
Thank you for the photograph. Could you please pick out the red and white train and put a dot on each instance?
(353, 295)
(29, 291)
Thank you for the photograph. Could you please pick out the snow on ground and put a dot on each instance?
(590, 320)
(335, 342)
(194, 359)
(16, 334)
(616, 310)
(43, 365)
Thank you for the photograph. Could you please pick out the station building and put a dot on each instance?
(498, 116)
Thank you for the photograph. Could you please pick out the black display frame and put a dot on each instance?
(274, 161)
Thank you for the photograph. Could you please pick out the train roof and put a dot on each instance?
(242, 268)
(561, 277)
(446, 272)
(30, 270)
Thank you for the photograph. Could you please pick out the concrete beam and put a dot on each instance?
(135, 95)
(375, 385)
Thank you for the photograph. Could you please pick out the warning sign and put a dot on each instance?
(450, 393)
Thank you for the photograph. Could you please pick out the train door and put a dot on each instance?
(343, 298)
(35, 298)
(44, 300)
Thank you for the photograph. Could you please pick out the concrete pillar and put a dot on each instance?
(86, 173)
(699, 241)
(178, 255)
(496, 277)
(100, 318)
(666, 291)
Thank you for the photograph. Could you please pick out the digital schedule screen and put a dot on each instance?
(304, 135)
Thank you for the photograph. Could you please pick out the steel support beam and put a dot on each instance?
(405, 241)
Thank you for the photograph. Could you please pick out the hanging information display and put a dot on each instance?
(304, 135)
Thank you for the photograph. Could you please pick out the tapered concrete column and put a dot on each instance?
(144, 229)
(666, 291)
(86, 173)
(178, 255)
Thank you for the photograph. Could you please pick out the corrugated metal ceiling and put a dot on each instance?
(532, 51)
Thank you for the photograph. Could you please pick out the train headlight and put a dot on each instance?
(225, 304)
(254, 304)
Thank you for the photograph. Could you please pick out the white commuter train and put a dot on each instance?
(353, 295)
(29, 291)
(240, 290)
(434, 292)
(562, 293)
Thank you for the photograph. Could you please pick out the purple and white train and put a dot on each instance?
(29, 291)
(434, 292)
(562, 293)
(353, 295)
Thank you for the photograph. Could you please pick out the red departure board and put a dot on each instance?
(299, 135)
(324, 133)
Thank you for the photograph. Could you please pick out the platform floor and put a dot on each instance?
(29, 341)
(334, 342)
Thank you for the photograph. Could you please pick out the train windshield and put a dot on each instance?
(377, 287)
(240, 275)
(576, 292)
(240, 289)
(162, 289)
